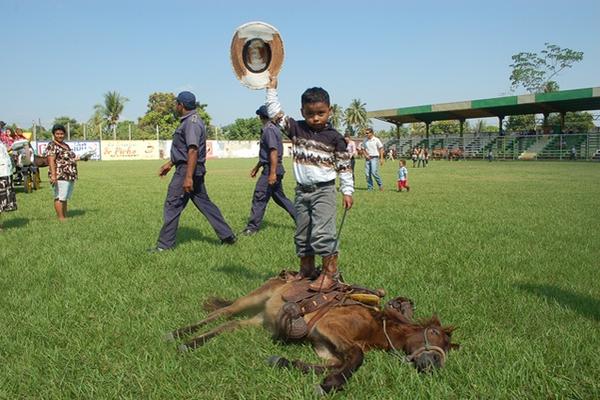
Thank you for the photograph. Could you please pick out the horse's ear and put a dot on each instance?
(435, 320)
(448, 330)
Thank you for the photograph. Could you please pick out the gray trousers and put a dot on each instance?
(176, 201)
(262, 193)
(315, 222)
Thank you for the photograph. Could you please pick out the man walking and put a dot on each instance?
(372, 149)
(188, 155)
(269, 184)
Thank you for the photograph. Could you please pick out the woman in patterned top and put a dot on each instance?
(8, 200)
(62, 170)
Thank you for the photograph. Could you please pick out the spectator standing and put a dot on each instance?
(415, 156)
(351, 149)
(372, 149)
(421, 157)
(573, 153)
(62, 170)
(188, 155)
(403, 177)
(8, 199)
(269, 184)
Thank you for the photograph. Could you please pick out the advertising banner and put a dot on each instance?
(79, 147)
(130, 150)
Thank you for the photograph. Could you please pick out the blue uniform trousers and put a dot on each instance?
(176, 201)
(262, 193)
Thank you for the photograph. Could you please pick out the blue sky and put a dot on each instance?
(59, 57)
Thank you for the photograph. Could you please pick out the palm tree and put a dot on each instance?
(112, 108)
(337, 114)
(356, 116)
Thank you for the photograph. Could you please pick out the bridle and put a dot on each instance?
(411, 357)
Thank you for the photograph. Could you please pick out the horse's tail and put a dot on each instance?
(215, 303)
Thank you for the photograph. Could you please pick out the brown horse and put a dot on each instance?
(340, 336)
(439, 154)
(456, 154)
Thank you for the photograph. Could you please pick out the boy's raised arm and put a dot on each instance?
(276, 114)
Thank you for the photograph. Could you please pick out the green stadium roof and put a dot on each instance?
(541, 103)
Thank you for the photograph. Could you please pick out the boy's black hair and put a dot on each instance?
(58, 127)
(315, 95)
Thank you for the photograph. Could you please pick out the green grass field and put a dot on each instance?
(509, 252)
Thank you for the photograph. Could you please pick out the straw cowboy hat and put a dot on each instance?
(256, 54)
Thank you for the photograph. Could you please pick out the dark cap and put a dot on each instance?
(58, 127)
(262, 112)
(187, 100)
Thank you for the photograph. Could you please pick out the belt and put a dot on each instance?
(314, 186)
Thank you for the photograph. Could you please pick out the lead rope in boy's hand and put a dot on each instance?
(337, 238)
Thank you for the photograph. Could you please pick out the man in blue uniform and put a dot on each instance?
(188, 155)
(269, 183)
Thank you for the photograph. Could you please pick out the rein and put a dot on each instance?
(410, 358)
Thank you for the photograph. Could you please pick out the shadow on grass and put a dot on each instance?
(267, 224)
(241, 271)
(584, 305)
(185, 234)
(14, 223)
(78, 213)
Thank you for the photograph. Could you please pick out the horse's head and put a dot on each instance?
(428, 344)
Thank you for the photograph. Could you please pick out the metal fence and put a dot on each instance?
(503, 147)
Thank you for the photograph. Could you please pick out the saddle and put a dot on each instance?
(300, 300)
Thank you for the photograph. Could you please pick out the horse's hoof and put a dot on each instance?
(319, 391)
(183, 348)
(169, 337)
(277, 361)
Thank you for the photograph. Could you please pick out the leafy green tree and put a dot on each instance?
(578, 122)
(355, 116)
(482, 127)
(535, 72)
(337, 115)
(417, 129)
(451, 127)
(243, 129)
(520, 123)
(112, 108)
(392, 133)
(161, 113)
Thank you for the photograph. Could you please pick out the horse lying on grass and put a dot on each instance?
(342, 324)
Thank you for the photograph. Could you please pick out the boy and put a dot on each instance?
(403, 177)
(319, 155)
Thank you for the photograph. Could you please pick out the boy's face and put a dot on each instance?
(316, 115)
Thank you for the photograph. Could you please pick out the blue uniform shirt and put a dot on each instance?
(271, 139)
(190, 132)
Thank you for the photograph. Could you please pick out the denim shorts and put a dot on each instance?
(63, 190)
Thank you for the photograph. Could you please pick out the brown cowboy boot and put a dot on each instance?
(327, 277)
(307, 268)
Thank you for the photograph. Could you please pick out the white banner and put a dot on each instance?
(154, 150)
(130, 150)
(78, 146)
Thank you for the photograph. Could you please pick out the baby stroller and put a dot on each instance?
(26, 172)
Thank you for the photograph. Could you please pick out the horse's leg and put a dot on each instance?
(337, 378)
(226, 327)
(253, 300)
